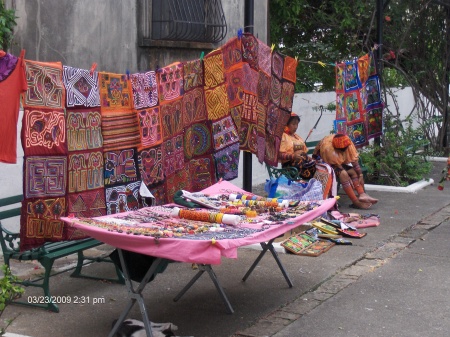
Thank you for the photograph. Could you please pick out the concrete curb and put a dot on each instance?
(413, 188)
(10, 334)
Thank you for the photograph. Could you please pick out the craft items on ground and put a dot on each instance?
(303, 244)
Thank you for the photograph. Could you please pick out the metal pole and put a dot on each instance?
(247, 156)
(380, 8)
(446, 125)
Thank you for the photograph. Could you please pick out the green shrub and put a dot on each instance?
(9, 291)
(400, 158)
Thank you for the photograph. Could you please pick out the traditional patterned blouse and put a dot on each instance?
(291, 145)
(335, 157)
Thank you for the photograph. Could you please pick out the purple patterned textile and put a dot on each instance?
(7, 65)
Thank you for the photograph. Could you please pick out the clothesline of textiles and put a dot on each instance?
(94, 140)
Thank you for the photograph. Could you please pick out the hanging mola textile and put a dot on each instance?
(358, 100)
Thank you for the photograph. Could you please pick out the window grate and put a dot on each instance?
(188, 20)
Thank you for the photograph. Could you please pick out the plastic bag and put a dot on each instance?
(312, 191)
(270, 187)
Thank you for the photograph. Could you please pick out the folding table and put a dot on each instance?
(204, 253)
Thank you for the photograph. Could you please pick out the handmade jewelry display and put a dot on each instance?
(226, 220)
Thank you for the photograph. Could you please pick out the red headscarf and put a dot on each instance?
(341, 141)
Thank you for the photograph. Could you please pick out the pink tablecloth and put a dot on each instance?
(197, 251)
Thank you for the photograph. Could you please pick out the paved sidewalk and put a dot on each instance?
(408, 295)
(382, 280)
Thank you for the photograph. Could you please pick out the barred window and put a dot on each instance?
(188, 20)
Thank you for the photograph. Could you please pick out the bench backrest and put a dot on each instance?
(311, 146)
(9, 213)
(9, 238)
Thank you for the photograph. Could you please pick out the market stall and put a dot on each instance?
(168, 233)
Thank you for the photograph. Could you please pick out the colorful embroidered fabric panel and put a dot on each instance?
(84, 129)
(159, 192)
(232, 53)
(277, 65)
(358, 100)
(120, 129)
(150, 164)
(45, 176)
(227, 162)
(115, 93)
(248, 137)
(375, 121)
(235, 86)
(290, 69)
(87, 204)
(250, 50)
(197, 140)
(85, 171)
(41, 222)
(170, 82)
(43, 132)
(263, 88)
(123, 198)
(202, 173)
(45, 85)
(172, 120)
(287, 92)
(173, 155)
(150, 128)
(120, 167)
(145, 89)
(193, 75)
(180, 180)
(224, 133)
(194, 107)
(81, 87)
(241, 79)
(214, 70)
(340, 126)
(272, 148)
(217, 102)
(264, 58)
(357, 133)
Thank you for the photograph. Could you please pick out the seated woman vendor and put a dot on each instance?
(293, 150)
(340, 153)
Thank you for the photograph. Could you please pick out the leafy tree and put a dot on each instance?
(416, 51)
(7, 23)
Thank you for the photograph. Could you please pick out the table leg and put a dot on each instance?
(135, 295)
(265, 248)
(212, 275)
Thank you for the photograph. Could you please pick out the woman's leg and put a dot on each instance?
(346, 183)
(362, 195)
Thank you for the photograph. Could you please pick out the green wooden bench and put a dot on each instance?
(290, 173)
(46, 255)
